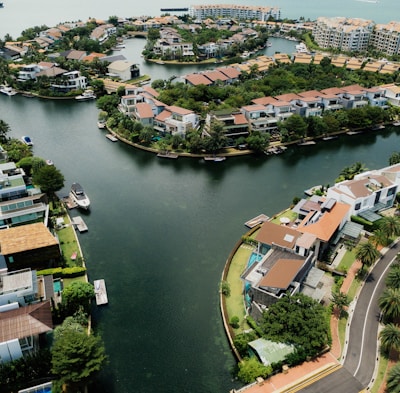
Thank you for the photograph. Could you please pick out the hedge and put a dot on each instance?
(67, 272)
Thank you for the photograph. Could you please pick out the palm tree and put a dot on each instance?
(340, 300)
(367, 253)
(379, 238)
(390, 225)
(393, 380)
(390, 338)
(389, 303)
(393, 277)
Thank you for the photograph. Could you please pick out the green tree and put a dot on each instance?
(250, 369)
(389, 303)
(394, 158)
(379, 238)
(340, 300)
(76, 358)
(297, 320)
(390, 338)
(393, 379)
(393, 277)
(4, 130)
(390, 225)
(77, 295)
(367, 254)
(16, 150)
(217, 138)
(49, 179)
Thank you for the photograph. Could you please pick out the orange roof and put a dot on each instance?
(239, 118)
(215, 75)
(198, 79)
(282, 273)
(287, 97)
(151, 91)
(143, 110)
(179, 110)
(327, 224)
(230, 72)
(281, 235)
(265, 100)
(164, 115)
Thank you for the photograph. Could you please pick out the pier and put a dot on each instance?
(80, 224)
(256, 220)
(100, 292)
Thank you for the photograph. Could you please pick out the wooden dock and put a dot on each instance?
(256, 220)
(100, 292)
(80, 224)
(111, 138)
(167, 155)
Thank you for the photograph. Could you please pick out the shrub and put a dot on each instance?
(225, 288)
(234, 322)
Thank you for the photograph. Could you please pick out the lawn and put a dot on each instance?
(234, 303)
(347, 260)
(68, 242)
(287, 213)
(380, 375)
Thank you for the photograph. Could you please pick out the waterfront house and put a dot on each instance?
(21, 328)
(178, 121)
(29, 246)
(368, 193)
(353, 97)
(197, 79)
(123, 69)
(72, 80)
(143, 113)
(376, 97)
(103, 32)
(12, 183)
(261, 118)
(392, 93)
(25, 287)
(234, 123)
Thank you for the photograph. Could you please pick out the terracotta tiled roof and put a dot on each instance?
(287, 97)
(151, 91)
(215, 75)
(144, 110)
(231, 72)
(265, 100)
(25, 321)
(282, 273)
(239, 118)
(255, 107)
(327, 224)
(164, 115)
(25, 237)
(179, 110)
(280, 235)
(198, 79)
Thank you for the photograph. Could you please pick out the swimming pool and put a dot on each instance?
(43, 388)
(254, 257)
(57, 286)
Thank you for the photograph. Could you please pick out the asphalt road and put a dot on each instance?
(360, 353)
(362, 347)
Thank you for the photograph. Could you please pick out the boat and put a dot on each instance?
(167, 154)
(86, 96)
(396, 123)
(49, 162)
(329, 138)
(301, 48)
(353, 132)
(79, 197)
(101, 124)
(7, 90)
(215, 158)
(306, 143)
(27, 140)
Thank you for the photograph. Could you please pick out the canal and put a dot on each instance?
(161, 230)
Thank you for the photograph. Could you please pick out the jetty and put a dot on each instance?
(80, 224)
(100, 292)
(256, 220)
(111, 138)
(167, 155)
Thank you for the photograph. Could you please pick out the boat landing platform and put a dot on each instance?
(80, 224)
(256, 220)
(100, 292)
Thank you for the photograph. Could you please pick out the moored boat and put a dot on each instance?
(7, 90)
(27, 140)
(79, 197)
(86, 96)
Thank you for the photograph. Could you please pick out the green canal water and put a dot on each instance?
(160, 232)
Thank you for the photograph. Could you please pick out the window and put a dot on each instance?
(357, 206)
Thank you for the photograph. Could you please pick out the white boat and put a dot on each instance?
(101, 124)
(79, 197)
(27, 140)
(86, 96)
(301, 48)
(7, 90)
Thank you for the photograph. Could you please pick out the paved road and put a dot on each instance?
(363, 340)
(362, 344)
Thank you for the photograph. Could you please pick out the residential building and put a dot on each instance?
(103, 32)
(231, 11)
(72, 80)
(123, 69)
(29, 246)
(234, 123)
(392, 93)
(21, 327)
(386, 38)
(345, 34)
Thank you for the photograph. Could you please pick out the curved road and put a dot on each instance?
(361, 348)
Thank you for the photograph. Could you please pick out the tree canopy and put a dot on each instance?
(49, 179)
(297, 320)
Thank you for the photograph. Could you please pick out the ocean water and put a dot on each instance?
(18, 15)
